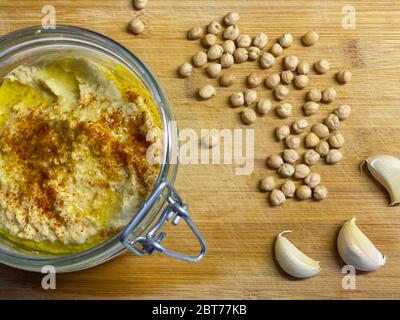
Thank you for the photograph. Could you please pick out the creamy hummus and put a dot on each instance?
(73, 168)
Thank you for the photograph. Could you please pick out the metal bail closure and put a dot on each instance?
(174, 211)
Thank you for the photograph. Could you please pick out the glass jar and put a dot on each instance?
(142, 235)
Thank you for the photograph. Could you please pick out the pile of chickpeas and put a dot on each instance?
(322, 140)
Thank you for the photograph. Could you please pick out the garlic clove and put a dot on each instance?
(357, 250)
(292, 260)
(386, 169)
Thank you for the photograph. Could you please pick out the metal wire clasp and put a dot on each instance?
(174, 211)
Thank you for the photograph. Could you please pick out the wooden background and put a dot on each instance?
(235, 218)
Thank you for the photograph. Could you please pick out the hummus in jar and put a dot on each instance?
(74, 137)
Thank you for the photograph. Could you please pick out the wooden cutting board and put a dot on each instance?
(236, 219)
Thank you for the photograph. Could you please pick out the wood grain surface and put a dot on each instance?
(236, 219)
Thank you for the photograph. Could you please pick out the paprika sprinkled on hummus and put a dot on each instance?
(74, 137)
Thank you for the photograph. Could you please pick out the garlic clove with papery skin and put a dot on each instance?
(292, 260)
(386, 169)
(357, 250)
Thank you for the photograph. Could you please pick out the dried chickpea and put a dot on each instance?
(322, 66)
(227, 79)
(185, 70)
(310, 108)
(311, 157)
(313, 180)
(277, 197)
(229, 46)
(243, 41)
(241, 55)
(290, 62)
(267, 184)
(336, 140)
(311, 140)
(290, 156)
(300, 125)
(276, 49)
(343, 76)
(281, 92)
(275, 161)
(282, 132)
(303, 192)
(301, 81)
(227, 60)
(248, 116)
(303, 68)
(310, 38)
(286, 171)
(261, 40)
(195, 33)
(231, 18)
(288, 188)
(320, 193)
(267, 60)
(272, 81)
(314, 95)
(136, 26)
(209, 40)
(210, 140)
(214, 27)
(285, 40)
(140, 4)
(332, 122)
(264, 106)
(322, 148)
(343, 112)
(215, 52)
(287, 76)
(207, 91)
(333, 156)
(254, 80)
(200, 59)
(250, 97)
(231, 33)
(301, 171)
(328, 95)
(237, 99)
(321, 130)
(213, 70)
(292, 142)
(284, 110)
(254, 53)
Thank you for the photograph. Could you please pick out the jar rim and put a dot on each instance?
(37, 35)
